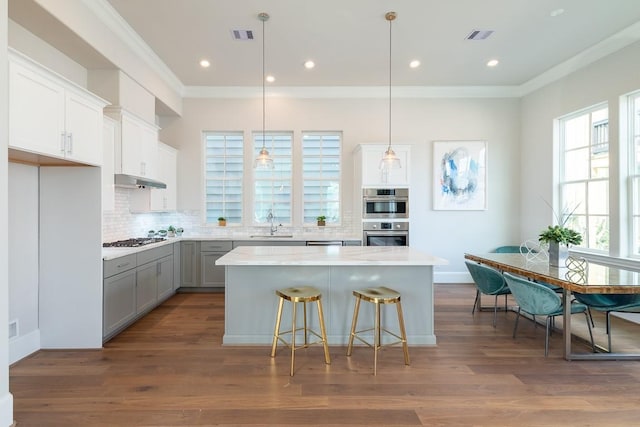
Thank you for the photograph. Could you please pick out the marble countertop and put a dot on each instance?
(329, 255)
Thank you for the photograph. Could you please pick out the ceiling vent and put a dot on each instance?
(479, 34)
(242, 34)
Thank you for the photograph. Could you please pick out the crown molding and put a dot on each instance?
(112, 19)
(588, 56)
(352, 92)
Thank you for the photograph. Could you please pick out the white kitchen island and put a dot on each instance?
(253, 273)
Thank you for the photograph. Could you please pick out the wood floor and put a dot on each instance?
(169, 369)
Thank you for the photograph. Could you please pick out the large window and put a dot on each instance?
(272, 187)
(634, 170)
(321, 176)
(223, 176)
(584, 175)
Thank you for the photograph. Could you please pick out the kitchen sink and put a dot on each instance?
(269, 236)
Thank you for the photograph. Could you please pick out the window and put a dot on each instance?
(584, 175)
(634, 170)
(321, 176)
(223, 176)
(273, 186)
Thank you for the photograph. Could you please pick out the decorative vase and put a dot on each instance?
(558, 254)
(321, 223)
(222, 223)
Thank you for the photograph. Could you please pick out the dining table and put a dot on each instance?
(579, 275)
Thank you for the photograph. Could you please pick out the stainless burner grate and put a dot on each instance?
(132, 243)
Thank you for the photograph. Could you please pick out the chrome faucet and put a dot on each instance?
(271, 218)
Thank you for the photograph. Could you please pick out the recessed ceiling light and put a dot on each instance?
(270, 79)
(204, 63)
(414, 64)
(492, 63)
(309, 64)
(556, 12)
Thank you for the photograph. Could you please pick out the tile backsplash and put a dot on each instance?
(120, 223)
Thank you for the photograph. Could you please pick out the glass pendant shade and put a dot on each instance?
(264, 160)
(389, 159)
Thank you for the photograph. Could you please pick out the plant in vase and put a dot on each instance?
(171, 231)
(559, 237)
(222, 221)
(321, 220)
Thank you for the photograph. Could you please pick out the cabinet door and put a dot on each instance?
(212, 274)
(149, 151)
(189, 268)
(83, 129)
(108, 164)
(36, 112)
(131, 146)
(146, 287)
(165, 278)
(119, 301)
(163, 200)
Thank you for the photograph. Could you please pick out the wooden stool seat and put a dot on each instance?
(299, 294)
(377, 296)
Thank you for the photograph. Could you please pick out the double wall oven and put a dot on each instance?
(385, 217)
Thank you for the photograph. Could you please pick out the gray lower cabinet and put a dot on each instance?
(237, 243)
(133, 285)
(352, 243)
(212, 275)
(189, 264)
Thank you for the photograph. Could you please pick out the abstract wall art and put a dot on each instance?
(460, 175)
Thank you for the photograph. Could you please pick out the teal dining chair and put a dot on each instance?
(609, 303)
(489, 281)
(536, 299)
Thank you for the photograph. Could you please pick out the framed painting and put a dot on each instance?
(460, 175)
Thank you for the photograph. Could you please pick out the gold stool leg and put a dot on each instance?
(353, 326)
(376, 338)
(293, 337)
(306, 340)
(405, 347)
(323, 331)
(276, 332)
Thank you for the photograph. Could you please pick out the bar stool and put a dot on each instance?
(303, 294)
(377, 296)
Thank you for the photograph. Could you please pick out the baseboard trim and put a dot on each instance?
(22, 346)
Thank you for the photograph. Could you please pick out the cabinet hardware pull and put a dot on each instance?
(70, 145)
(63, 140)
(123, 265)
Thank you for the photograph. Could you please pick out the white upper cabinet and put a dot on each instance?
(367, 165)
(136, 144)
(156, 199)
(51, 116)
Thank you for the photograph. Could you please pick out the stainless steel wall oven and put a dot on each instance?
(385, 203)
(385, 234)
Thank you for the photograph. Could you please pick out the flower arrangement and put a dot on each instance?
(560, 233)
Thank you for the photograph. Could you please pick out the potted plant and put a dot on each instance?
(321, 220)
(171, 231)
(222, 221)
(559, 238)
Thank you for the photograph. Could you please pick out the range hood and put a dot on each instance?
(131, 181)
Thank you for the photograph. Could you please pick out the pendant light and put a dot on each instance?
(390, 160)
(264, 160)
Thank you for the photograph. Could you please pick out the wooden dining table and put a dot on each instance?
(580, 276)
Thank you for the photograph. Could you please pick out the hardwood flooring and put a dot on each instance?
(169, 369)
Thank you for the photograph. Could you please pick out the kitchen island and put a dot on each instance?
(253, 273)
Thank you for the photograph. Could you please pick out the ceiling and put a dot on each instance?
(349, 39)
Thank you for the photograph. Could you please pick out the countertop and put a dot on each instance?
(329, 255)
(116, 252)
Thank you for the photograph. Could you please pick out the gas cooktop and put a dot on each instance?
(133, 243)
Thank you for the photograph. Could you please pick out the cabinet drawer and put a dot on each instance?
(118, 265)
(216, 246)
(153, 254)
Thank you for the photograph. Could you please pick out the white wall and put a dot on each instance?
(23, 259)
(6, 399)
(415, 121)
(603, 81)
